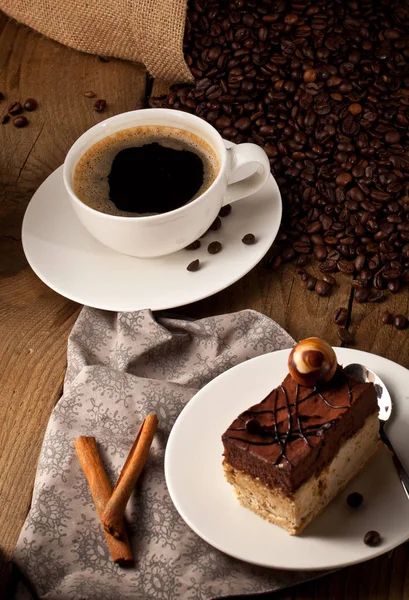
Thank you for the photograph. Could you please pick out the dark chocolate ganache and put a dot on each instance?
(295, 431)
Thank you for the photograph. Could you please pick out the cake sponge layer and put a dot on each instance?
(294, 512)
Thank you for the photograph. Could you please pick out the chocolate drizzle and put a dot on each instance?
(300, 429)
(267, 435)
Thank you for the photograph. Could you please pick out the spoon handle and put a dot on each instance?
(403, 475)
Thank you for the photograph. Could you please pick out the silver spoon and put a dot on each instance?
(362, 373)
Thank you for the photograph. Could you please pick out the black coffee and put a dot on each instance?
(145, 170)
(154, 178)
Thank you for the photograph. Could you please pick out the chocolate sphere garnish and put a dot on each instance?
(312, 360)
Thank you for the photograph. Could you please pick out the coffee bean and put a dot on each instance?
(302, 247)
(214, 247)
(20, 121)
(344, 335)
(5, 119)
(346, 267)
(303, 260)
(194, 265)
(329, 266)
(310, 75)
(372, 538)
(341, 316)
(320, 252)
(343, 179)
(225, 210)
(355, 499)
(355, 109)
(359, 262)
(329, 278)
(15, 109)
(30, 104)
(1, 96)
(223, 122)
(400, 322)
(394, 286)
(215, 226)
(250, 238)
(310, 283)
(243, 124)
(387, 318)
(194, 245)
(361, 295)
(90, 94)
(322, 287)
(274, 263)
(100, 105)
(376, 296)
(392, 137)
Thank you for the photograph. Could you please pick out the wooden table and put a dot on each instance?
(35, 321)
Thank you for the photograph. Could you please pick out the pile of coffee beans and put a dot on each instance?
(323, 87)
(15, 111)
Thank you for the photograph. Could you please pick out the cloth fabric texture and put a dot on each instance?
(144, 31)
(120, 368)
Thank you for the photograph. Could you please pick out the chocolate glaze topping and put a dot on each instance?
(297, 430)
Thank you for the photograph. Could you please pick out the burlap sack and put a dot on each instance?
(145, 31)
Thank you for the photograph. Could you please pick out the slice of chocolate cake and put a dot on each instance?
(290, 455)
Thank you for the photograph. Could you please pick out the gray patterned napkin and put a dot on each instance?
(121, 367)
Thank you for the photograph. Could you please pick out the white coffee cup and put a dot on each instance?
(157, 235)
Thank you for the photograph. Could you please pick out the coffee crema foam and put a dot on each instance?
(90, 181)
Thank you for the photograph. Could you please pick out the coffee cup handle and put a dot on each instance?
(240, 155)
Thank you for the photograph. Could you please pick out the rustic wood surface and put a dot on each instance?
(35, 321)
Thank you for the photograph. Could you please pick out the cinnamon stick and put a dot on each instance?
(115, 508)
(101, 490)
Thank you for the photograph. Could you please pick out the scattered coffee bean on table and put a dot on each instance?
(354, 499)
(215, 226)
(311, 283)
(214, 247)
(100, 105)
(400, 322)
(1, 96)
(30, 104)
(194, 265)
(344, 335)
(361, 295)
(341, 316)
(5, 119)
(225, 210)
(387, 318)
(20, 121)
(250, 239)
(372, 538)
(194, 245)
(323, 288)
(323, 87)
(15, 109)
(287, 255)
(90, 94)
(328, 278)
(303, 260)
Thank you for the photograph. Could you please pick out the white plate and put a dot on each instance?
(194, 476)
(71, 262)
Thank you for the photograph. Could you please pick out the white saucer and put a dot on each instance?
(194, 476)
(71, 262)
